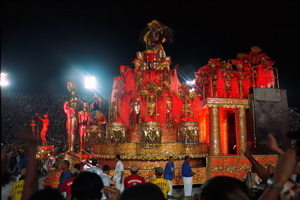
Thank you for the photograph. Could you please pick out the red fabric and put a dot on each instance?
(176, 110)
(261, 77)
(124, 109)
(151, 76)
(67, 186)
(247, 81)
(133, 180)
(235, 88)
(175, 84)
(129, 81)
(196, 109)
(162, 110)
(150, 56)
(220, 86)
(118, 88)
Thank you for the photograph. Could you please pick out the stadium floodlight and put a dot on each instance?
(90, 82)
(3, 80)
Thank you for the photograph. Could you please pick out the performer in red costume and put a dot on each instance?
(83, 117)
(45, 121)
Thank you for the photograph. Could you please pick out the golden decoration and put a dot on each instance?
(242, 130)
(214, 117)
(235, 165)
(138, 151)
(188, 133)
(115, 133)
(225, 102)
(94, 134)
(150, 133)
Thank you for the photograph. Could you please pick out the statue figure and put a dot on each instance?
(71, 110)
(83, 117)
(45, 122)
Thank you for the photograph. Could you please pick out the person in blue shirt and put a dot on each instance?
(66, 174)
(169, 173)
(187, 176)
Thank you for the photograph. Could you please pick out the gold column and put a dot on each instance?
(203, 126)
(242, 130)
(224, 131)
(214, 119)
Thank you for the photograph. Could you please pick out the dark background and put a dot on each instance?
(44, 44)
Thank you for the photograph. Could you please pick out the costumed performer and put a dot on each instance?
(45, 122)
(97, 116)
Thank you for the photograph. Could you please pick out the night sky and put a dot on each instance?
(44, 44)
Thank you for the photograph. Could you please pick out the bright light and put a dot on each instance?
(90, 82)
(191, 83)
(3, 80)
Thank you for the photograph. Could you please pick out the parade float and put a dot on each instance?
(153, 115)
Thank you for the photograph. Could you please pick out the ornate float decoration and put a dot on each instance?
(152, 115)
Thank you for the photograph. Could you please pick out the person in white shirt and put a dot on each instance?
(94, 168)
(119, 174)
(106, 181)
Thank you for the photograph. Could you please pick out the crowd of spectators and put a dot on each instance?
(18, 110)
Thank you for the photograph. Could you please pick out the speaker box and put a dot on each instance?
(269, 109)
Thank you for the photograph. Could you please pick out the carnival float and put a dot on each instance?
(152, 115)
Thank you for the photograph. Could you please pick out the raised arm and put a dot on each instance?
(31, 178)
(285, 167)
(260, 170)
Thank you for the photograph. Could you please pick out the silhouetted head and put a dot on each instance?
(48, 193)
(145, 191)
(224, 187)
(87, 186)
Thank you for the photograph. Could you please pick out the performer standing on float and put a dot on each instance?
(97, 116)
(45, 122)
(154, 35)
(83, 116)
(71, 110)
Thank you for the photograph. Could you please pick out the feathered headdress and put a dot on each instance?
(166, 32)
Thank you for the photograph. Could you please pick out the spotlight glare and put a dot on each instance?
(3, 80)
(90, 82)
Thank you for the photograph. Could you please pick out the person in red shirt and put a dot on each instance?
(67, 184)
(133, 179)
